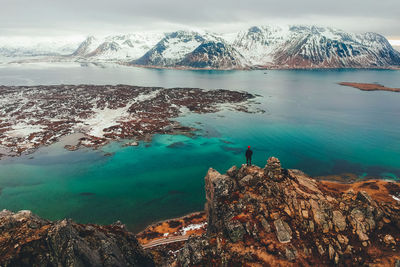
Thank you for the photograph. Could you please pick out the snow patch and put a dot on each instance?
(145, 97)
(23, 130)
(105, 118)
(191, 227)
(396, 198)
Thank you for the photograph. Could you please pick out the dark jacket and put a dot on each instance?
(249, 153)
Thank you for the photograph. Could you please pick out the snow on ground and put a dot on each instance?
(23, 130)
(191, 227)
(145, 97)
(178, 50)
(104, 118)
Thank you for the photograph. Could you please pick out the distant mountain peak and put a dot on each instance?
(259, 46)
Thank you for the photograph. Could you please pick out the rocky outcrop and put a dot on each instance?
(27, 240)
(273, 216)
(254, 217)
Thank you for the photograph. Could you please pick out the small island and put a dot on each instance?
(33, 116)
(370, 86)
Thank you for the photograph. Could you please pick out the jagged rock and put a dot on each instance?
(343, 239)
(291, 253)
(195, 251)
(248, 180)
(321, 214)
(326, 223)
(336, 260)
(339, 220)
(331, 252)
(389, 240)
(273, 169)
(265, 224)
(232, 172)
(235, 230)
(218, 187)
(311, 225)
(304, 213)
(357, 219)
(320, 249)
(39, 242)
(364, 197)
(283, 231)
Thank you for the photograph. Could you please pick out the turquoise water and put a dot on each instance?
(310, 123)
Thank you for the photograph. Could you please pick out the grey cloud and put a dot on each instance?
(100, 16)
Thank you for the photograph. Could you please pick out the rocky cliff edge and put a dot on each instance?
(272, 216)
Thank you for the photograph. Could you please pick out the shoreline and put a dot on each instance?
(61, 59)
(36, 116)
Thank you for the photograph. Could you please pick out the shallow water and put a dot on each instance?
(310, 123)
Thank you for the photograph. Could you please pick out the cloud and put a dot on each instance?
(59, 17)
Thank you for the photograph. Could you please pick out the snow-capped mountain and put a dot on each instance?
(314, 47)
(325, 47)
(117, 47)
(258, 44)
(273, 47)
(173, 48)
(214, 54)
(257, 47)
(12, 48)
(192, 49)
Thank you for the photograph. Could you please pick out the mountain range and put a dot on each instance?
(258, 47)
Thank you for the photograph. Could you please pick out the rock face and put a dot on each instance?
(27, 240)
(272, 216)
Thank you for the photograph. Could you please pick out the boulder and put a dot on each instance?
(235, 230)
(273, 169)
(364, 197)
(339, 220)
(283, 231)
(232, 172)
(248, 180)
(389, 240)
(265, 224)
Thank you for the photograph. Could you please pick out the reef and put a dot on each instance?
(33, 116)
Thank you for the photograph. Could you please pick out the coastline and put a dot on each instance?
(66, 59)
(40, 115)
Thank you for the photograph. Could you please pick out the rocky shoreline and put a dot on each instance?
(34, 116)
(253, 217)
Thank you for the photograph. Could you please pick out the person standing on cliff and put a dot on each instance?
(249, 153)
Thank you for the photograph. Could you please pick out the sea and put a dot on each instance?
(310, 123)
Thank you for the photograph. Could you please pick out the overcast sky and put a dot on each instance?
(101, 17)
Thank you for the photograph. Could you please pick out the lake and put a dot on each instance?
(311, 123)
